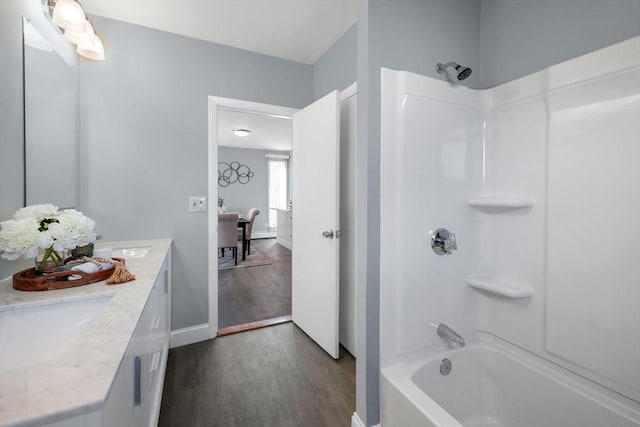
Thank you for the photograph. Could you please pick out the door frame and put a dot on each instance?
(216, 103)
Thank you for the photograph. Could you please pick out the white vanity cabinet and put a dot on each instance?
(134, 398)
(106, 370)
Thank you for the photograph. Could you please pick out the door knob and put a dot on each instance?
(328, 234)
(443, 242)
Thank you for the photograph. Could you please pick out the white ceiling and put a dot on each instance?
(299, 30)
(267, 132)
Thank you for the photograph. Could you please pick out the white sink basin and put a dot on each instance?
(131, 252)
(29, 330)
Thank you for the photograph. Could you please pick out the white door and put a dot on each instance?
(315, 221)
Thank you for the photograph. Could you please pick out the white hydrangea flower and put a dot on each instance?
(45, 239)
(23, 236)
(72, 229)
(19, 238)
(37, 212)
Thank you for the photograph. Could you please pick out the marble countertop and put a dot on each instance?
(74, 376)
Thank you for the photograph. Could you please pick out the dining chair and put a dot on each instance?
(228, 233)
(250, 217)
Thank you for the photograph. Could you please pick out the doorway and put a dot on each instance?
(254, 289)
(347, 299)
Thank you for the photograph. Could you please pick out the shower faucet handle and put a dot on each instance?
(443, 242)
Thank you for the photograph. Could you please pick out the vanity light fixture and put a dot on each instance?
(241, 132)
(69, 16)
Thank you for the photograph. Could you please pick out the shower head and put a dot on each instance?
(462, 72)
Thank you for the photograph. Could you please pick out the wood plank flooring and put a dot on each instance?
(256, 293)
(276, 376)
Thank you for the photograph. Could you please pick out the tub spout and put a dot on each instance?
(449, 334)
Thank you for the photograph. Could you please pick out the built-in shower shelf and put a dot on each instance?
(500, 202)
(500, 287)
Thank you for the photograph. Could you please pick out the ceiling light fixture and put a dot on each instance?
(70, 18)
(241, 132)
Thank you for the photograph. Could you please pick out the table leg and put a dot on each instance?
(244, 241)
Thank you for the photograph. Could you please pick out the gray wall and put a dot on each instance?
(144, 135)
(414, 35)
(520, 37)
(11, 121)
(336, 68)
(242, 197)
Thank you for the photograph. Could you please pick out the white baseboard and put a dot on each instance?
(356, 422)
(263, 235)
(284, 243)
(189, 335)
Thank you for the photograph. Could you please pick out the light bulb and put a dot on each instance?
(75, 37)
(69, 15)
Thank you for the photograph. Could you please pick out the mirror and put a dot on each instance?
(51, 122)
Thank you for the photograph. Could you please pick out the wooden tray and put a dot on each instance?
(27, 280)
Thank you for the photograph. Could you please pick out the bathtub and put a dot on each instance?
(493, 383)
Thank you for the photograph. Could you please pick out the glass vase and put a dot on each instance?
(48, 259)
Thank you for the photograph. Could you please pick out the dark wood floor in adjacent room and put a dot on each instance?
(276, 376)
(256, 293)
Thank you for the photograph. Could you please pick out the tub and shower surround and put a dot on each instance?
(537, 178)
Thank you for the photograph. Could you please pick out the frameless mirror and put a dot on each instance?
(51, 122)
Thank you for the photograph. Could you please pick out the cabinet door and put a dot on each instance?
(134, 399)
(160, 340)
(118, 409)
(157, 338)
(142, 348)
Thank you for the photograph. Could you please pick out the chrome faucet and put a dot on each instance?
(443, 242)
(449, 334)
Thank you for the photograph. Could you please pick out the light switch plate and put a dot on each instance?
(197, 204)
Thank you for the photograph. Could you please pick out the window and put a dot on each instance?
(277, 170)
